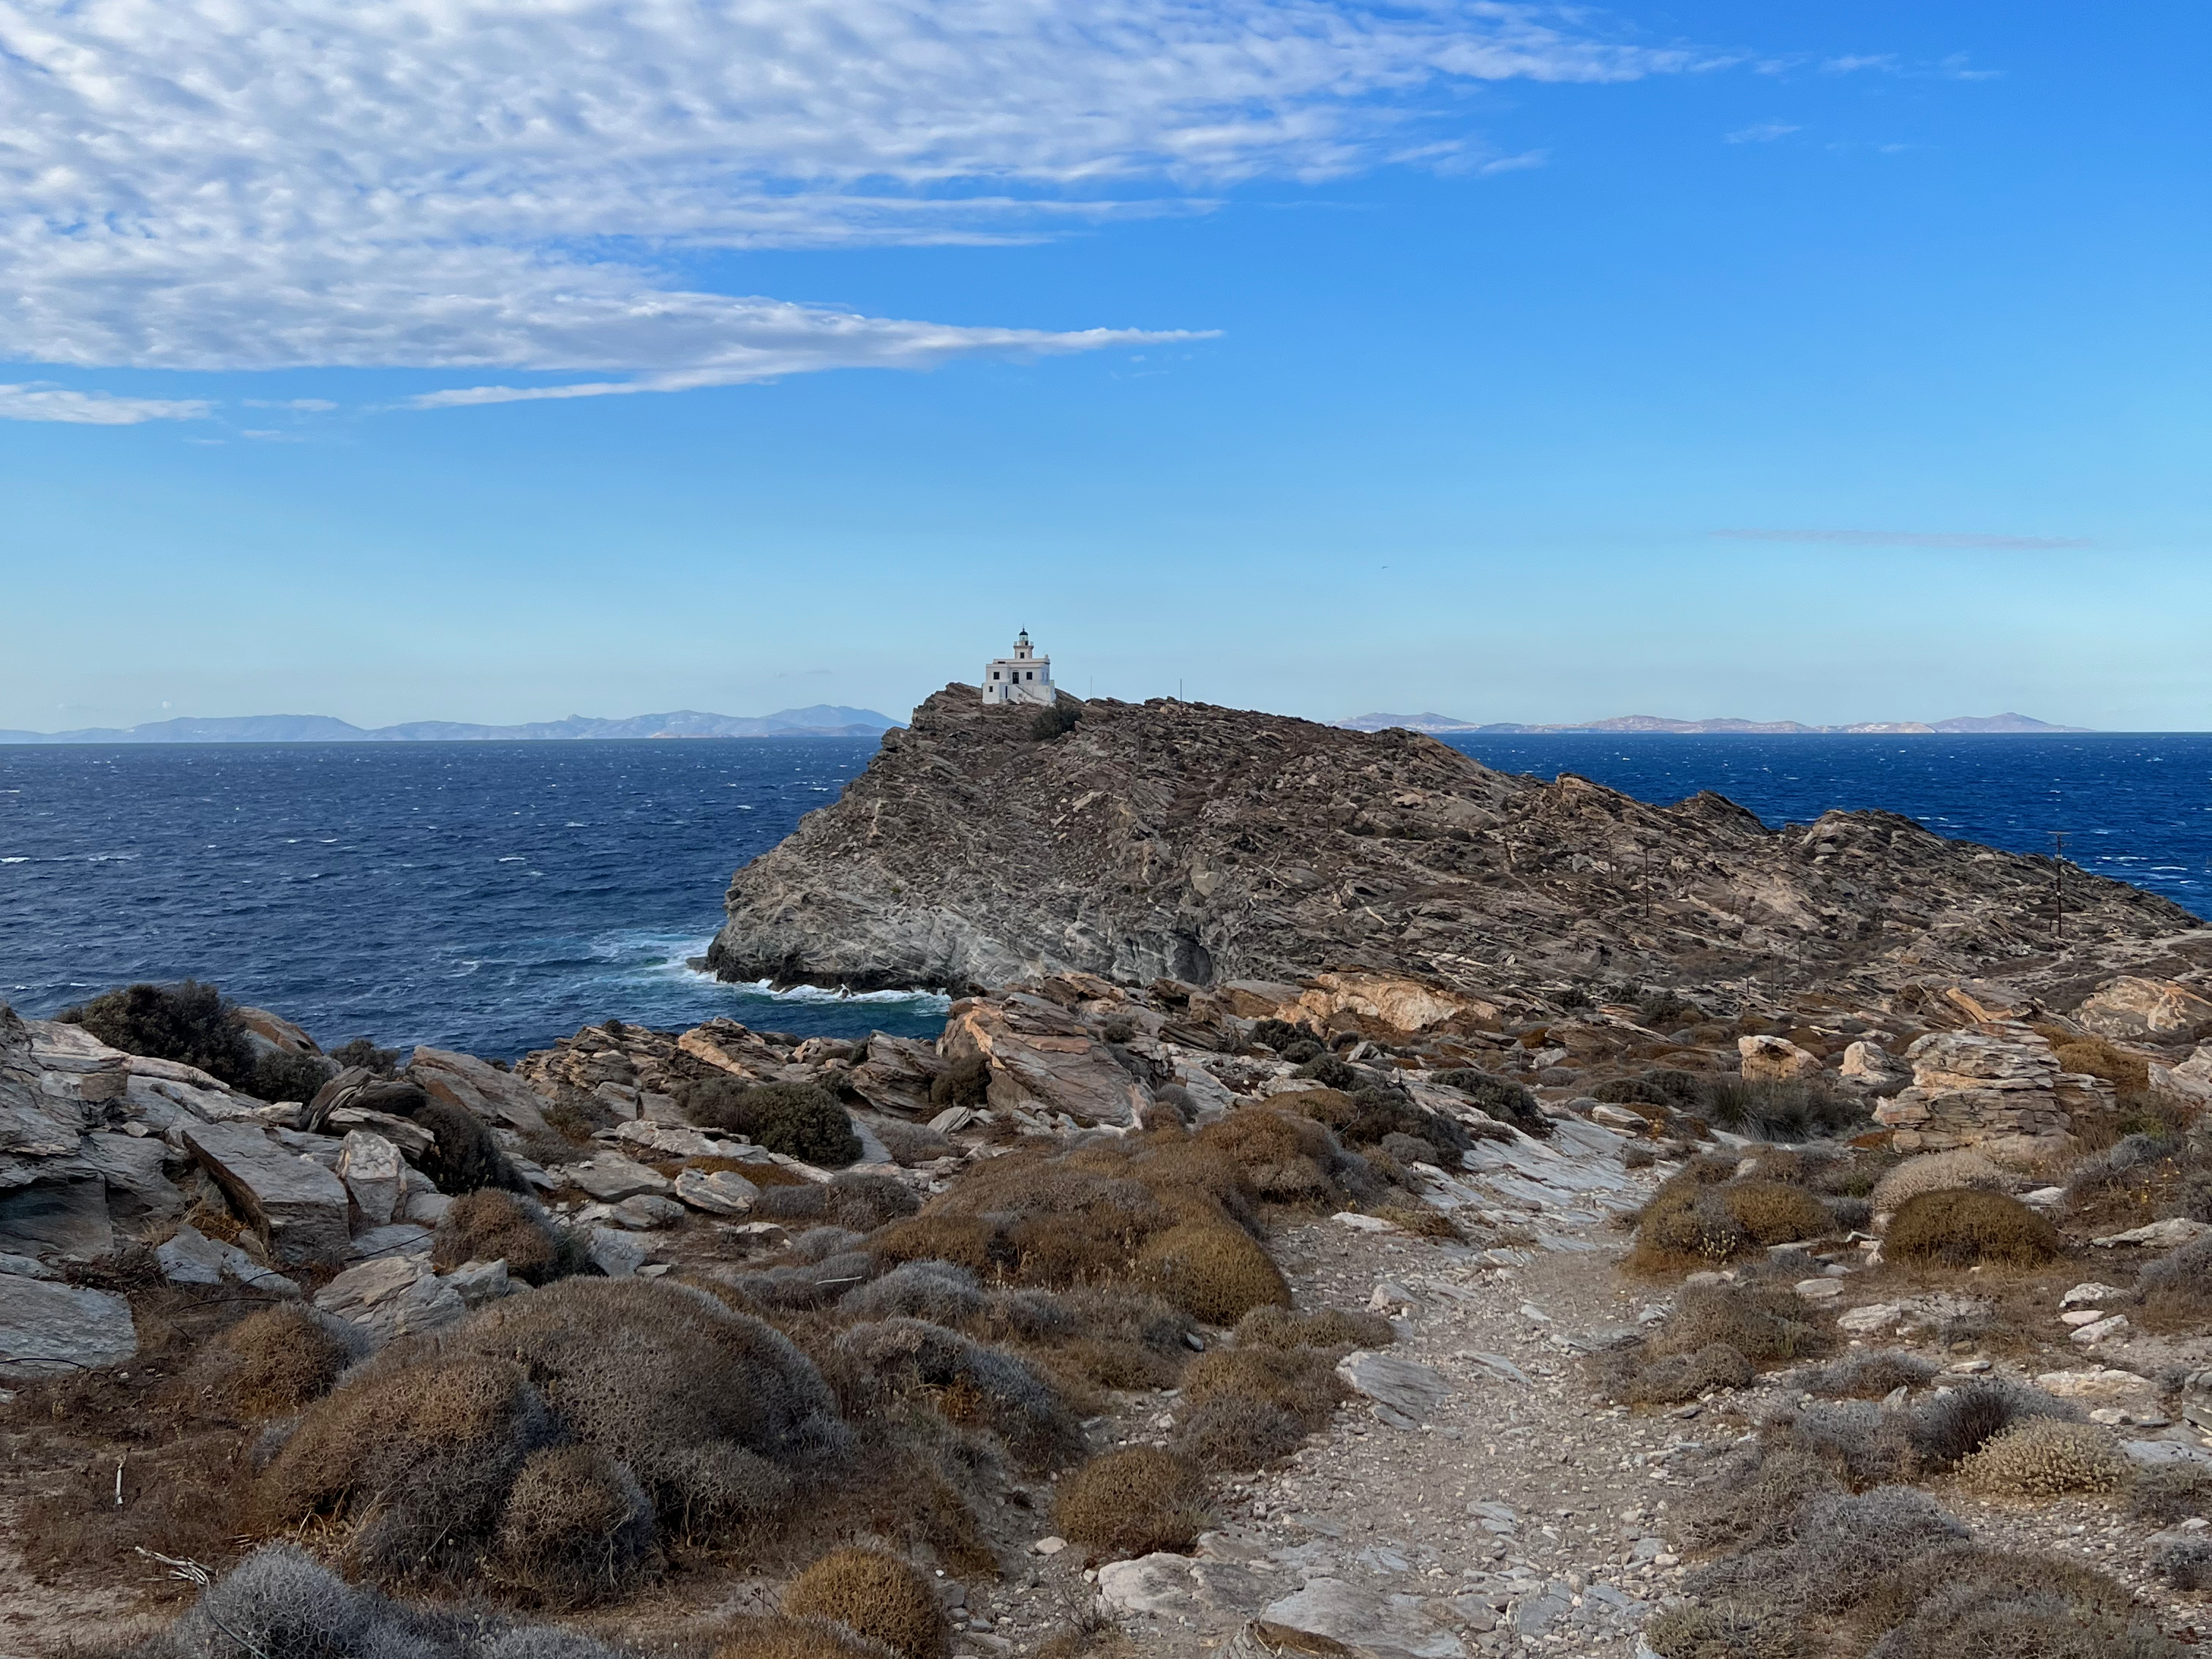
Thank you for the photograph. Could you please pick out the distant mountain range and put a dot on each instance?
(1628, 723)
(820, 721)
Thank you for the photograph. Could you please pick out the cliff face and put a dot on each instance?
(1210, 844)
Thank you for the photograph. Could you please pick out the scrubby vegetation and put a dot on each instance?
(490, 1224)
(1964, 1227)
(1132, 1503)
(796, 1119)
(193, 1022)
(877, 1596)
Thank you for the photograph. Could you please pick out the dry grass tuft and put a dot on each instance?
(785, 1637)
(2043, 1457)
(577, 1526)
(1231, 1433)
(1761, 1324)
(1773, 1212)
(1132, 1503)
(1962, 1228)
(1865, 1376)
(491, 1225)
(1300, 1380)
(1938, 1172)
(1332, 1328)
(2128, 1074)
(876, 1595)
(1676, 1378)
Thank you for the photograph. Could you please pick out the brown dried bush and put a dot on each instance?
(1750, 1497)
(1949, 1427)
(876, 1595)
(274, 1361)
(714, 1413)
(1938, 1172)
(1761, 1324)
(1962, 1228)
(967, 1381)
(418, 1458)
(1300, 1380)
(1132, 1503)
(969, 1241)
(491, 1225)
(2043, 1457)
(1287, 1159)
(1051, 1222)
(860, 1202)
(1231, 1433)
(1775, 1213)
(1671, 1379)
(2128, 1072)
(1332, 1328)
(783, 1638)
(576, 1526)
(1212, 1271)
(1865, 1376)
(2177, 1288)
(1965, 1600)
(2169, 1492)
(1103, 1335)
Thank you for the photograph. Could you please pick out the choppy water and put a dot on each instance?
(492, 896)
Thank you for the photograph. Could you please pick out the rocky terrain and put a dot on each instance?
(1212, 845)
(1578, 1289)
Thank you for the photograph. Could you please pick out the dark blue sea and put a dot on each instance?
(492, 896)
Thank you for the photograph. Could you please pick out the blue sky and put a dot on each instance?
(1832, 362)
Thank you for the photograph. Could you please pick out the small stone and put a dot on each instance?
(1820, 1290)
(1875, 1317)
(2079, 1316)
(2169, 1235)
(1363, 1224)
(615, 1254)
(647, 1211)
(2103, 1331)
(2088, 1294)
(725, 1192)
(1052, 1546)
(611, 1177)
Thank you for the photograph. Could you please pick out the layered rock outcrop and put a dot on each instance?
(1213, 845)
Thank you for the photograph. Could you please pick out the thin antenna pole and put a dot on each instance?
(2058, 884)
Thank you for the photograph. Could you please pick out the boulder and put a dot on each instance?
(1184, 1594)
(189, 1256)
(464, 1080)
(374, 1177)
(1357, 1620)
(274, 1034)
(478, 1282)
(2168, 1234)
(676, 1140)
(613, 1252)
(392, 1295)
(610, 1177)
(63, 1214)
(724, 1192)
(1040, 1059)
(1867, 1062)
(895, 1075)
(647, 1211)
(50, 1329)
(2191, 1079)
(2153, 1010)
(1775, 1059)
(1414, 1390)
(297, 1208)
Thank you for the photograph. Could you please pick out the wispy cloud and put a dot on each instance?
(1764, 133)
(49, 403)
(473, 185)
(1909, 539)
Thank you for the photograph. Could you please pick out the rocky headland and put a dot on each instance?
(1212, 845)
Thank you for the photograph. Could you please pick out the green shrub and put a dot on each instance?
(1279, 1034)
(366, 1054)
(1962, 1228)
(965, 1082)
(466, 1158)
(190, 1022)
(1501, 1097)
(796, 1119)
(289, 1076)
(1056, 719)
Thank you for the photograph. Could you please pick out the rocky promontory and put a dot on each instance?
(1213, 845)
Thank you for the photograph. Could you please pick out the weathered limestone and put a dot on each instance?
(50, 1329)
(374, 1175)
(2157, 1011)
(297, 1208)
(724, 1192)
(464, 1080)
(610, 1177)
(190, 1257)
(1040, 1059)
(895, 1075)
(1414, 1392)
(392, 1295)
(1994, 1082)
(1775, 1059)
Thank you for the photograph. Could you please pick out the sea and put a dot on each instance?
(492, 897)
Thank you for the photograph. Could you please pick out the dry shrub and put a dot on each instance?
(1104, 1336)
(577, 1526)
(2138, 1161)
(1865, 1376)
(2043, 1457)
(274, 1361)
(910, 1144)
(1332, 1328)
(1691, 1631)
(1046, 1221)
(2185, 1563)
(1230, 1433)
(1864, 1444)
(1675, 1378)
(1286, 1158)
(465, 1157)
(1751, 1496)
(967, 1381)
(1947, 1428)
(713, 1411)
(1962, 1228)
(2128, 1074)
(1775, 1213)
(1963, 1602)
(1212, 1271)
(491, 1225)
(1939, 1172)
(939, 1292)
(815, 1284)
(1300, 1380)
(2169, 1492)
(1132, 1503)
(785, 1637)
(1761, 1324)
(861, 1203)
(419, 1459)
(967, 1242)
(876, 1595)
(1419, 1220)
(2177, 1288)
(1686, 1220)
(1826, 1552)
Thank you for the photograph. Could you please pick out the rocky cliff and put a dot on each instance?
(1212, 845)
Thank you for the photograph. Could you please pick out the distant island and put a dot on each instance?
(819, 721)
(1624, 725)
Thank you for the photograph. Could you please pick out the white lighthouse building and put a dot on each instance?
(1023, 677)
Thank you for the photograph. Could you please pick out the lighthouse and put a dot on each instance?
(1024, 677)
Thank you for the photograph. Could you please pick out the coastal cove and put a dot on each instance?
(492, 896)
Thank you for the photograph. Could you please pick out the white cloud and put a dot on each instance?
(47, 402)
(202, 185)
(1764, 133)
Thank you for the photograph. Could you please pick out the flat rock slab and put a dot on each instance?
(1369, 1624)
(2168, 1234)
(392, 1295)
(725, 1192)
(299, 1208)
(1180, 1591)
(610, 1177)
(48, 1329)
(190, 1257)
(466, 1081)
(1403, 1385)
